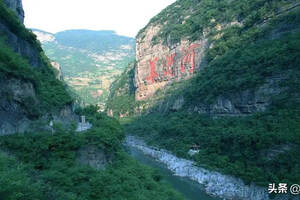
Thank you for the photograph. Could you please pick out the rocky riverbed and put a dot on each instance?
(215, 183)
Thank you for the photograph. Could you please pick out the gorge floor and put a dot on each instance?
(191, 190)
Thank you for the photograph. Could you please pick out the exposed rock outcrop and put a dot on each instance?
(162, 61)
(215, 183)
(17, 7)
(16, 98)
(240, 103)
(20, 45)
(20, 106)
(56, 66)
(245, 102)
(20, 109)
(159, 64)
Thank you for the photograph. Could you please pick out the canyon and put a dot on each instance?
(215, 183)
(89, 61)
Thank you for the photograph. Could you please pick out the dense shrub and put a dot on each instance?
(238, 146)
(243, 58)
(9, 18)
(122, 93)
(189, 18)
(51, 92)
(49, 162)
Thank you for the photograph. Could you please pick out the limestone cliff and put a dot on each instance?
(56, 66)
(172, 48)
(16, 6)
(159, 64)
(14, 115)
(121, 101)
(201, 62)
(19, 41)
(30, 94)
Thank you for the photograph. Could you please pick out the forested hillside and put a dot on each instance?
(40, 157)
(89, 60)
(68, 165)
(231, 87)
(29, 88)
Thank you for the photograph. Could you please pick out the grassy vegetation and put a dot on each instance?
(200, 15)
(260, 148)
(94, 41)
(247, 68)
(50, 91)
(15, 181)
(90, 60)
(122, 93)
(43, 166)
(9, 18)
(237, 146)
(244, 60)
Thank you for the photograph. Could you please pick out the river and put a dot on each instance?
(189, 189)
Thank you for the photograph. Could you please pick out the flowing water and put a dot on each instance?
(189, 189)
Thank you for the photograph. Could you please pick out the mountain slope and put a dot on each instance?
(89, 60)
(66, 165)
(163, 66)
(48, 163)
(222, 75)
(30, 92)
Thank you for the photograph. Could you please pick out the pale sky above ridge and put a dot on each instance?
(126, 17)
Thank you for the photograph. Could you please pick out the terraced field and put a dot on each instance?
(89, 60)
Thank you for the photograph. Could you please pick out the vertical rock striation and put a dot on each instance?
(20, 104)
(17, 7)
(18, 44)
(160, 64)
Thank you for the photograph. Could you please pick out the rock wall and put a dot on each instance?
(20, 108)
(15, 95)
(159, 64)
(216, 184)
(56, 66)
(17, 7)
(19, 45)
(235, 104)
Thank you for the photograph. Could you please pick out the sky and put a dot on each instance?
(126, 17)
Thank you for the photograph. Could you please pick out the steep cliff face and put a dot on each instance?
(20, 41)
(56, 66)
(159, 64)
(201, 62)
(17, 97)
(16, 6)
(182, 41)
(243, 102)
(31, 95)
(121, 101)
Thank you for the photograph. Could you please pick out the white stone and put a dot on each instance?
(83, 126)
(215, 183)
